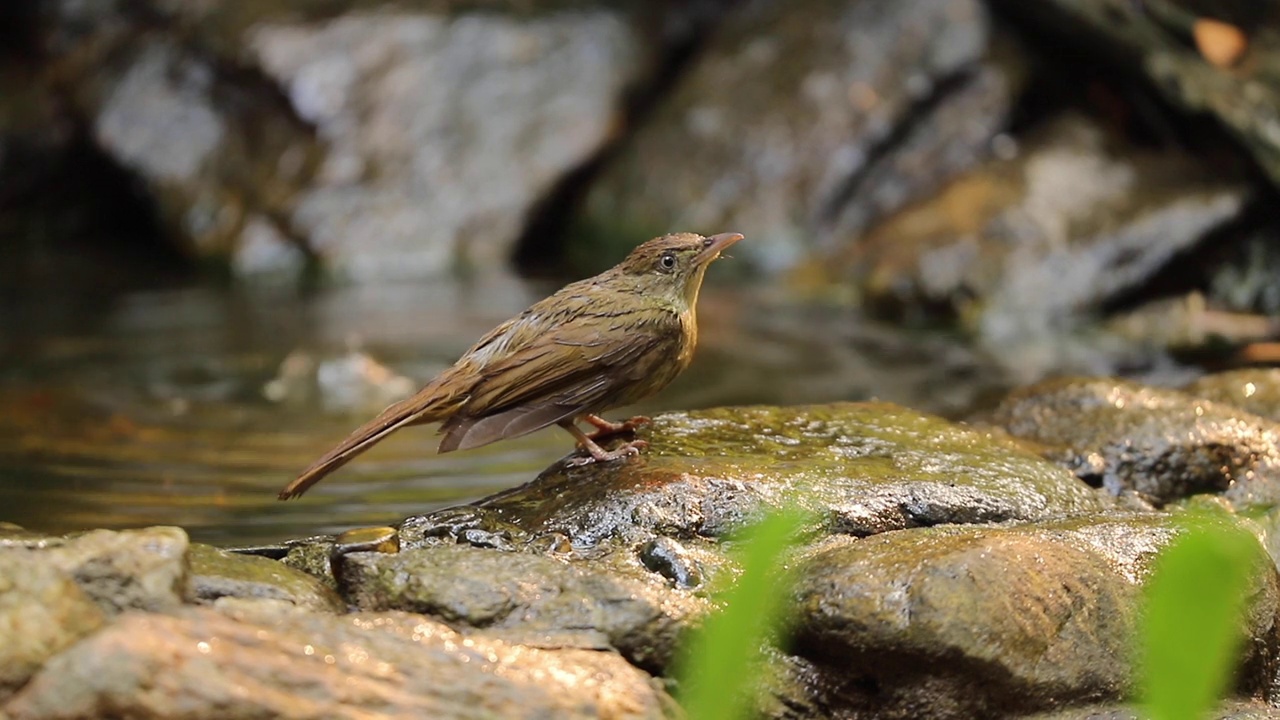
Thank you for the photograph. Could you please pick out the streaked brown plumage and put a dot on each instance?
(597, 344)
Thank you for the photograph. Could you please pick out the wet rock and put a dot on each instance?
(482, 588)
(1158, 444)
(672, 561)
(801, 122)
(473, 525)
(42, 612)
(217, 573)
(1254, 390)
(312, 556)
(1155, 39)
(864, 468)
(1022, 245)
(994, 622)
(142, 569)
(263, 661)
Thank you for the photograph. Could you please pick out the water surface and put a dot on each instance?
(148, 407)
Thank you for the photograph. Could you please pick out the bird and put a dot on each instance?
(594, 345)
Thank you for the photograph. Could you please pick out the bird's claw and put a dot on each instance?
(605, 428)
(622, 451)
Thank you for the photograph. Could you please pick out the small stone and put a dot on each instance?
(669, 559)
(1222, 44)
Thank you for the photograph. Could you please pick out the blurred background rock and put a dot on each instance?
(388, 140)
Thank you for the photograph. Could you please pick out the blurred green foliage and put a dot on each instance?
(721, 665)
(1193, 625)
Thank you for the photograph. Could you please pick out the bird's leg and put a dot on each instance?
(597, 453)
(605, 429)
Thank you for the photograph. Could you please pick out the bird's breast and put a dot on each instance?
(688, 338)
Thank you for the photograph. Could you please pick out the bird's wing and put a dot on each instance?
(554, 376)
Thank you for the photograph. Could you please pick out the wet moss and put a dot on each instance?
(217, 573)
(862, 467)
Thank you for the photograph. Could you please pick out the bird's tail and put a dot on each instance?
(424, 407)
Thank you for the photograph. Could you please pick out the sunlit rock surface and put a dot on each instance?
(143, 569)
(636, 612)
(255, 660)
(1254, 390)
(42, 612)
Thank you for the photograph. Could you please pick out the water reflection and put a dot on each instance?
(148, 407)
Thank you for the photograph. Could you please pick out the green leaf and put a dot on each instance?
(720, 666)
(1194, 622)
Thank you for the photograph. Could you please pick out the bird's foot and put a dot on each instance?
(605, 428)
(595, 453)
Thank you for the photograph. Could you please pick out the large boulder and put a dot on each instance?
(801, 122)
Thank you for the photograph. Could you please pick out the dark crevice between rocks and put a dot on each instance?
(1074, 67)
(81, 221)
(19, 23)
(1235, 269)
(682, 32)
(1195, 270)
(882, 684)
(920, 111)
(1073, 70)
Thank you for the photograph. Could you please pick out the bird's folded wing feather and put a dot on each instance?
(566, 368)
(553, 377)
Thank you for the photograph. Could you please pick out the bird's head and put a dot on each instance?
(673, 265)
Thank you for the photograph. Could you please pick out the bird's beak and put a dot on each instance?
(718, 243)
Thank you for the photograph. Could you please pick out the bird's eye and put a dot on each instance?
(667, 261)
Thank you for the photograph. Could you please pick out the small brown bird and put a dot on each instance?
(597, 344)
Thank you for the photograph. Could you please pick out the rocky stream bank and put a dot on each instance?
(953, 570)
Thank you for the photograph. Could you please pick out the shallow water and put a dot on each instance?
(148, 407)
